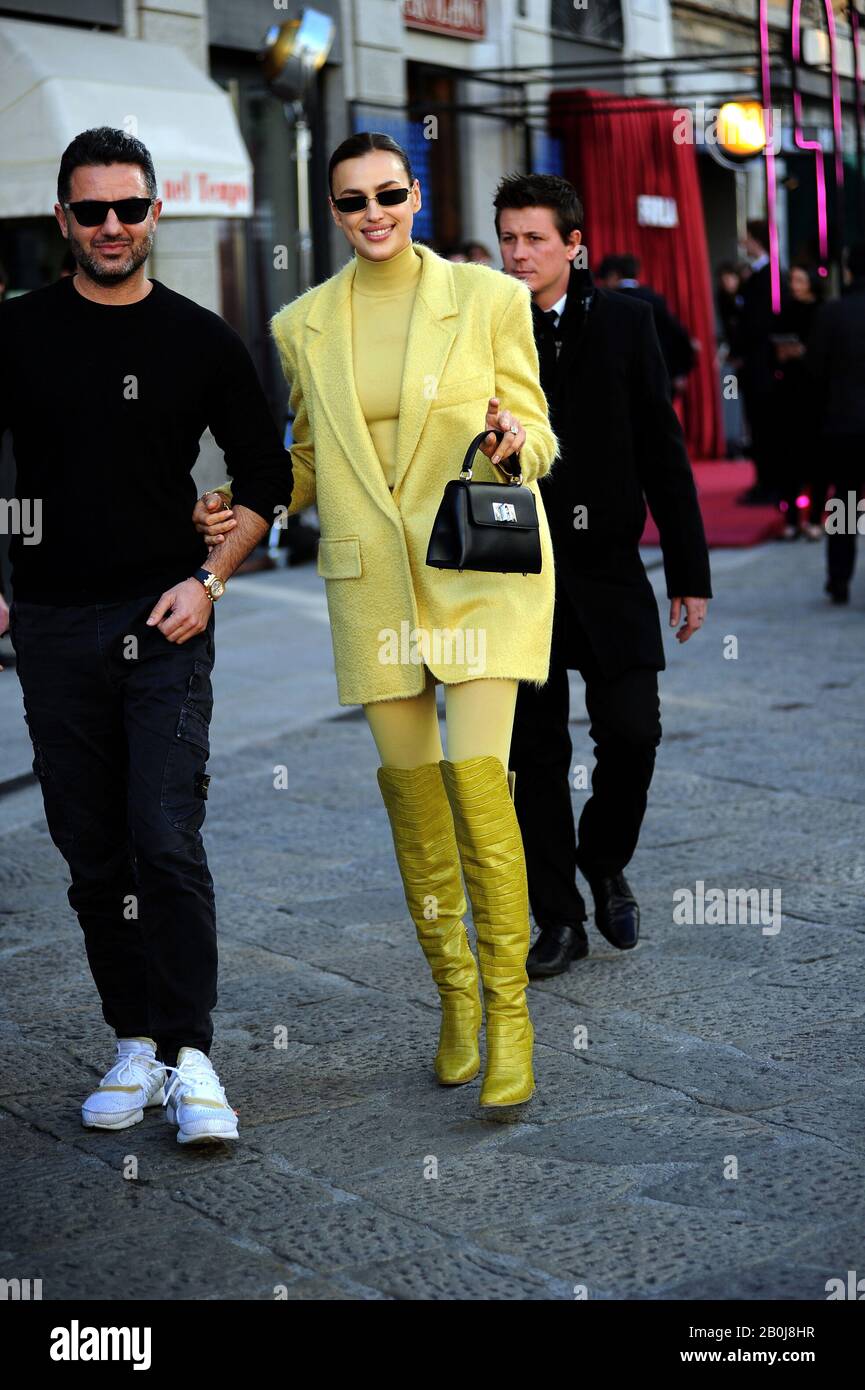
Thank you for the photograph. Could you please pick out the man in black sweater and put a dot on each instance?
(108, 383)
(609, 398)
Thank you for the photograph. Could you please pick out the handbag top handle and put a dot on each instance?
(466, 470)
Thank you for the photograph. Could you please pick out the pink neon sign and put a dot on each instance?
(798, 136)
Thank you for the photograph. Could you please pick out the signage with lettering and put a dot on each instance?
(654, 211)
(463, 19)
(200, 193)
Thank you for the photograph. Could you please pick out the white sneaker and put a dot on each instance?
(124, 1093)
(195, 1101)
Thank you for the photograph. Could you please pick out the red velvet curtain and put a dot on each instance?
(617, 148)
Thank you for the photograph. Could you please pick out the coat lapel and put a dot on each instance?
(431, 336)
(580, 289)
(330, 358)
(331, 362)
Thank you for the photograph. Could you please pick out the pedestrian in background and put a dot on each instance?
(797, 407)
(837, 359)
(621, 273)
(753, 352)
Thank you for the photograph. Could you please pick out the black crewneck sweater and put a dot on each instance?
(107, 405)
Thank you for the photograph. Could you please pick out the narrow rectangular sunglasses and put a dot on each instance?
(90, 212)
(387, 198)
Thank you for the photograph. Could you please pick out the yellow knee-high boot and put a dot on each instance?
(494, 866)
(429, 862)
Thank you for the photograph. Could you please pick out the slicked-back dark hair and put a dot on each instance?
(364, 142)
(541, 191)
(103, 145)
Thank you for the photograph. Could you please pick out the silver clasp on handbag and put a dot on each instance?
(504, 511)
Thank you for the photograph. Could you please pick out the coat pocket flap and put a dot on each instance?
(339, 559)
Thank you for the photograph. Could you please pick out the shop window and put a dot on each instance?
(599, 21)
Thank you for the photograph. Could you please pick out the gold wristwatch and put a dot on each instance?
(213, 585)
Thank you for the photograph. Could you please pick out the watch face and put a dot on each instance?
(217, 587)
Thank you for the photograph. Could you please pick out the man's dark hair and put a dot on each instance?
(856, 260)
(629, 267)
(541, 191)
(103, 145)
(364, 142)
(758, 229)
(610, 265)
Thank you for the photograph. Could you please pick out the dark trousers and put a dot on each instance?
(119, 719)
(625, 725)
(759, 411)
(846, 466)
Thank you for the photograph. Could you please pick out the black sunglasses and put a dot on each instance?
(91, 213)
(387, 198)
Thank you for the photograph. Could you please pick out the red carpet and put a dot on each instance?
(719, 483)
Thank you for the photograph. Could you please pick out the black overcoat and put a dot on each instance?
(621, 446)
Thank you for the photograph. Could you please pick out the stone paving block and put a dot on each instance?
(669, 1132)
(324, 1239)
(445, 1274)
(630, 1249)
(638, 1055)
(785, 1179)
(176, 1256)
(38, 1066)
(835, 1112)
(489, 1188)
(765, 1280)
(372, 1135)
(748, 1012)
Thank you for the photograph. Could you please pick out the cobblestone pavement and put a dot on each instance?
(706, 1142)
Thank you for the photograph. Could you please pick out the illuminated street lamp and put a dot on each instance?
(292, 55)
(741, 128)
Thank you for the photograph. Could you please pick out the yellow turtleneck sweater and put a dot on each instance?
(382, 300)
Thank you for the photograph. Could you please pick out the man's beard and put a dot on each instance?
(118, 270)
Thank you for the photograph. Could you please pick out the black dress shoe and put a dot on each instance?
(838, 591)
(554, 950)
(617, 913)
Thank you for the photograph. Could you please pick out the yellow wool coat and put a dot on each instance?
(390, 613)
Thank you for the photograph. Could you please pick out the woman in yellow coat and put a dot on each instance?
(394, 362)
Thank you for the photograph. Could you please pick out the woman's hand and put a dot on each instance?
(515, 435)
(212, 518)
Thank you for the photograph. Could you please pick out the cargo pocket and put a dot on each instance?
(56, 811)
(185, 782)
(340, 558)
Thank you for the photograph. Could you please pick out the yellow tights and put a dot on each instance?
(479, 715)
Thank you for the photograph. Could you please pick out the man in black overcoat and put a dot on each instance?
(621, 446)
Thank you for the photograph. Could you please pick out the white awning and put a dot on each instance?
(57, 81)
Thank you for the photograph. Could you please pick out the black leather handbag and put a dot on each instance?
(485, 526)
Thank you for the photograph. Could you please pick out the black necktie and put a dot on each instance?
(550, 317)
